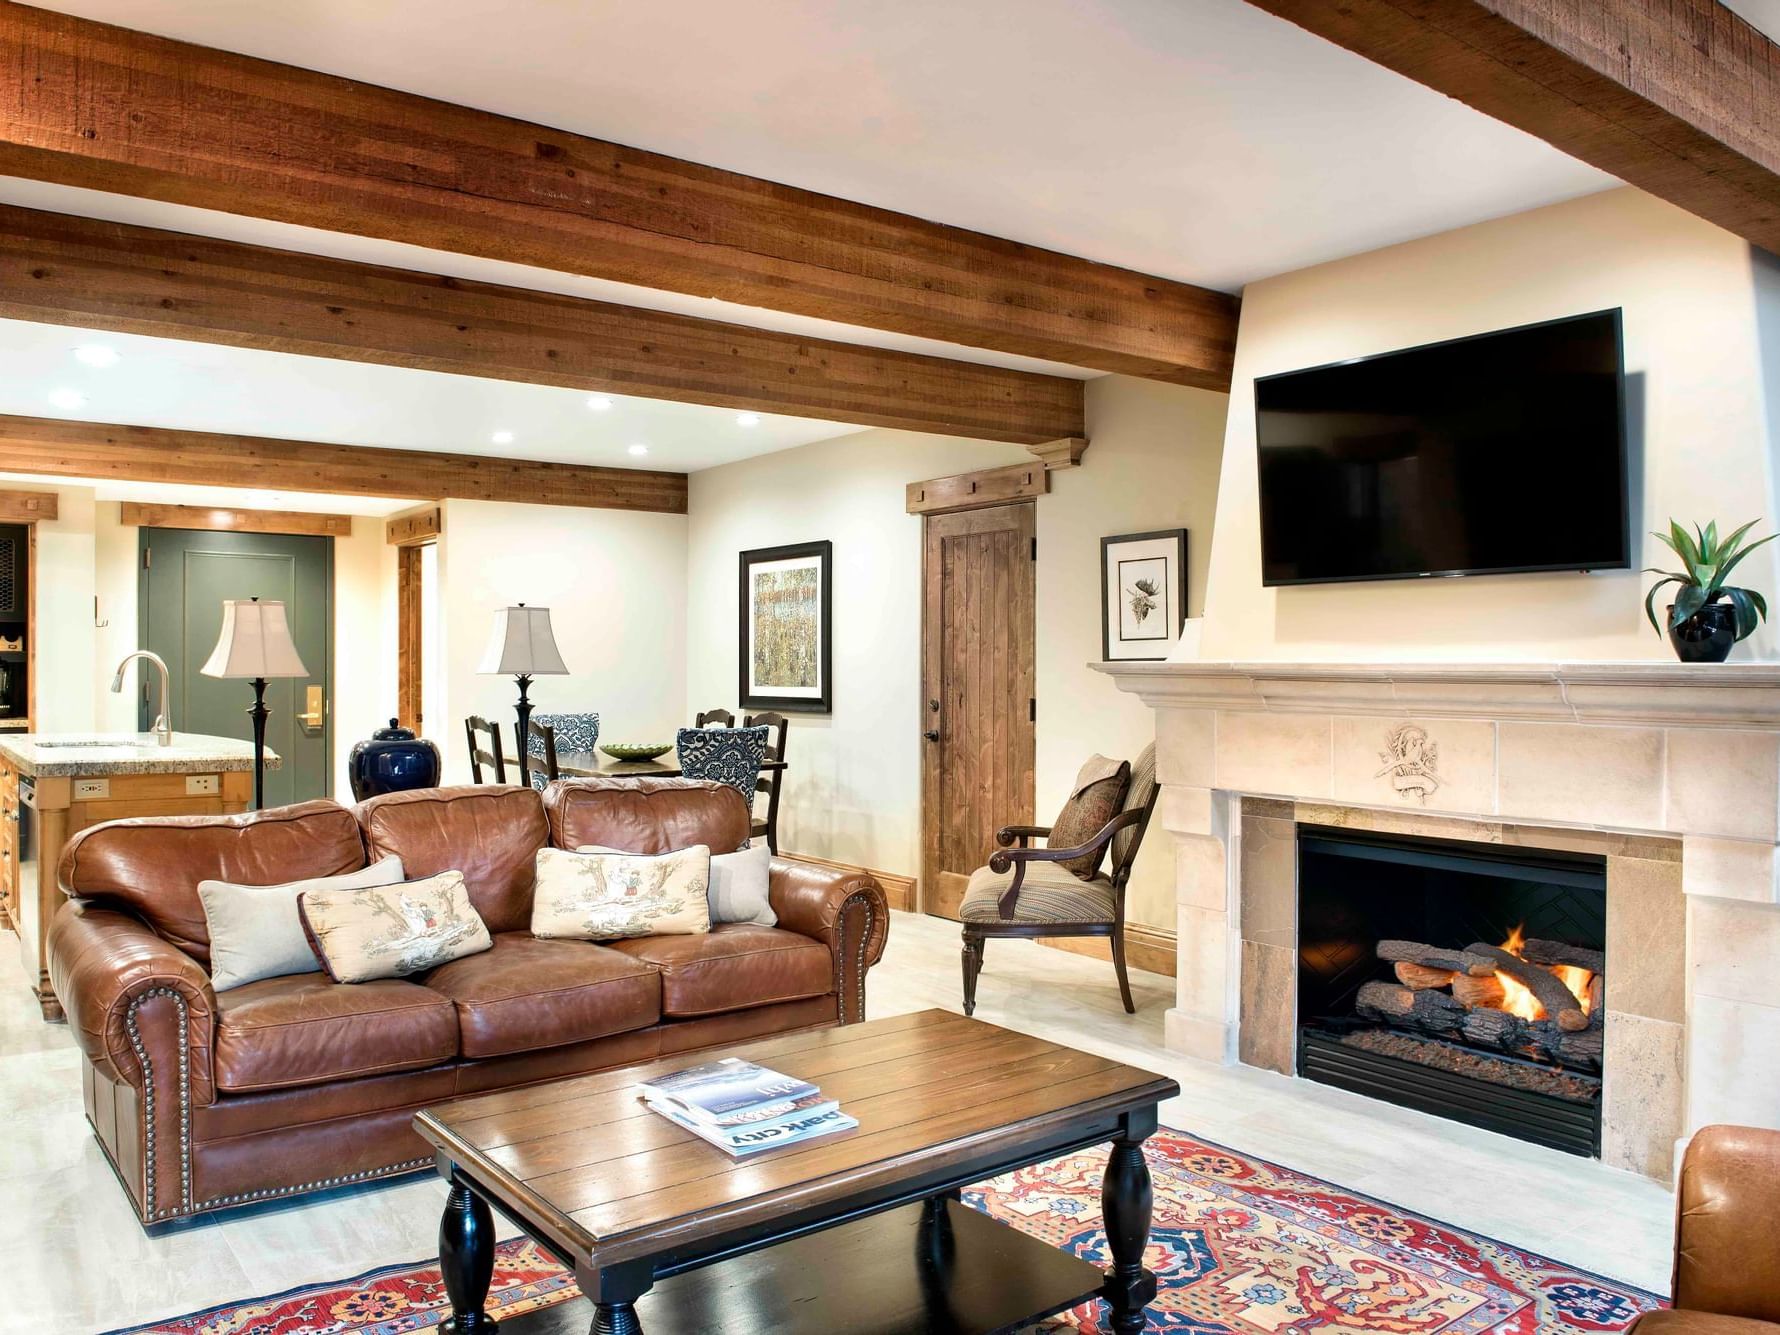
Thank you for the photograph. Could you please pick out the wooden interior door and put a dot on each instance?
(978, 708)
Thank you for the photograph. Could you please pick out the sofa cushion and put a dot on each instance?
(491, 834)
(391, 931)
(256, 931)
(527, 993)
(150, 866)
(303, 1029)
(1699, 1323)
(646, 815)
(594, 894)
(732, 966)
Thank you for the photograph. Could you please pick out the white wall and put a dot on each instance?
(1696, 413)
(65, 660)
(616, 586)
(854, 789)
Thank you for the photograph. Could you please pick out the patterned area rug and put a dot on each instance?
(1241, 1247)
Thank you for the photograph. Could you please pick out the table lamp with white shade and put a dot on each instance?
(523, 646)
(255, 645)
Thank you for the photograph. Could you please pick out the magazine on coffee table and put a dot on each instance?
(741, 1107)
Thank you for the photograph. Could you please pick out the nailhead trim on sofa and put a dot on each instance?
(150, 1200)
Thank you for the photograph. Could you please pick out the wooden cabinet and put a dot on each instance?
(9, 844)
(55, 808)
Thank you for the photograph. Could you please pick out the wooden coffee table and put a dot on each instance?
(862, 1231)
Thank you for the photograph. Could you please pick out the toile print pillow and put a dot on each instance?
(605, 896)
(394, 930)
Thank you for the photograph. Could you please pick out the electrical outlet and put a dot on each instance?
(202, 785)
(92, 790)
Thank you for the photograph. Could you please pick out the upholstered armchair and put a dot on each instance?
(1029, 891)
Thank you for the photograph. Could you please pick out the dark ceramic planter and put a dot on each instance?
(1706, 636)
(392, 761)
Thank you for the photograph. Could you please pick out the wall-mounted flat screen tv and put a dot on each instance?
(1501, 452)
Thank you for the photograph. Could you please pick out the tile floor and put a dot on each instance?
(78, 1262)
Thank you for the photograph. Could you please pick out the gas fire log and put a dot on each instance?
(1417, 952)
(1582, 1050)
(1496, 1029)
(1420, 977)
(1597, 1000)
(1556, 952)
(1428, 1011)
(1479, 992)
(1560, 1003)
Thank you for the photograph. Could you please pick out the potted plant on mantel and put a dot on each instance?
(1708, 616)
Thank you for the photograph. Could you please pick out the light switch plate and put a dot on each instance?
(91, 790)
(202, 785)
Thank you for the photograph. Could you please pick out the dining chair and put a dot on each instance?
(714, 718)
(576, 734)
(540, 745)
(1059, 891)
(491, 756)
(769, 782)
(727, 755)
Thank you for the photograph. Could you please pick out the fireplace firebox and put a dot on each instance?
(1461, 979)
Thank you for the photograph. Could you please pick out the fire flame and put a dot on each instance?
(1518, 1000)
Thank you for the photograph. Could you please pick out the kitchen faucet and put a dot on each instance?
(163, 726)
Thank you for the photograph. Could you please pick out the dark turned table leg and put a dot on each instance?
(466, 1260)
(615, 1291)
(1125, 1202)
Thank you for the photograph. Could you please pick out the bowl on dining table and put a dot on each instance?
(635, 750)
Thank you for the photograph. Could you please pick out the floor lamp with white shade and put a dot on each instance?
(523, 646)
(255, 645)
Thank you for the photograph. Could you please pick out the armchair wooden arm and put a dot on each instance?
(1007, 834)
(1017, 858)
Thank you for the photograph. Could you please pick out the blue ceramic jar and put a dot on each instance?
(391, 761)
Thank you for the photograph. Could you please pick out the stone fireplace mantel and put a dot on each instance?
(1671, 769)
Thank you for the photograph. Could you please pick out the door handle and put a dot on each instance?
(315, 709)
(932, 734)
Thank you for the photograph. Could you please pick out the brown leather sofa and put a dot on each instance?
(1727, 1237)
(204, 1101)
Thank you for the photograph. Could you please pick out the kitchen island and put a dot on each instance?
(54, 785)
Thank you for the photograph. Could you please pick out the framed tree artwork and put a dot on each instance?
(1143, 594)
(787, 616)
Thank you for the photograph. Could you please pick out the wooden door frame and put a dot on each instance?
(931, 611)
(408, 532)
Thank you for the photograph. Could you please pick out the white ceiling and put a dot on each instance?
(1197, 139)
(203, 387)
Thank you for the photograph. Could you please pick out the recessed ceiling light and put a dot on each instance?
(639, 449)
(66, 399)
(747, 419)
(599, 404)
(95, 354)
(502, 438)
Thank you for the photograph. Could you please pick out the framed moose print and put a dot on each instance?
(1143, 594)
(786, 648)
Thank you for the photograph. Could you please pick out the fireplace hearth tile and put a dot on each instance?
(1269, 1027)
(1641, 1106)
(1646, 925)
(1574, 772)
(1269, 886)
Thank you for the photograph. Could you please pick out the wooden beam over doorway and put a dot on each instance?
(1677, 97)
(59, 269)
(57, 447)
(107, 108)
(214, 519)
(27, 507)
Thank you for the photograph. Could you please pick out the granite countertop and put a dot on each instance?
(96, 754)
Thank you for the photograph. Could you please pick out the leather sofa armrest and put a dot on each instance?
(1728, 1217)
(131, 998)
(845, 910)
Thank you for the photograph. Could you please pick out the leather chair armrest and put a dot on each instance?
(132, 996)
(845, 910)
(1728, 1208)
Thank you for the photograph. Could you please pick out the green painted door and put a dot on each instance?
(186, 577)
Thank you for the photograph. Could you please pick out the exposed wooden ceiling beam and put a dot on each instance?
(60, 269)
(106, 108)
(1678, 97)
(57, 447)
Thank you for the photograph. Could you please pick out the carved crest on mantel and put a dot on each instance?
(1411, 762)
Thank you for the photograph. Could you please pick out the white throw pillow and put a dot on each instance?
(605, 895)
(256, 931)
(391, 931)
(740, 883)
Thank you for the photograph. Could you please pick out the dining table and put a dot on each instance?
(599, 765)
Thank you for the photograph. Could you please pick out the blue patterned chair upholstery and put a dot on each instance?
(727, 755)
(574, 733)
